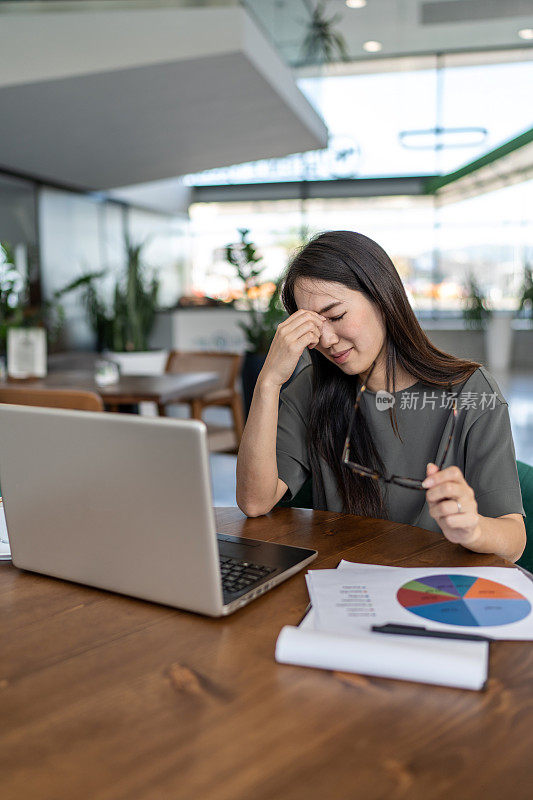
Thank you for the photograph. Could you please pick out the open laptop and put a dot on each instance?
(124, 503)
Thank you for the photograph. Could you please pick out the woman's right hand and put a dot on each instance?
(302, 329)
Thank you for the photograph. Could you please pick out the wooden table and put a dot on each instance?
(159, 389)
(107, 698)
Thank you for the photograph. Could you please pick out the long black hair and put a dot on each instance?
(359, 263)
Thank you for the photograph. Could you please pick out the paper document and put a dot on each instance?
(444, 662)
(336, 634)
(495, 602)
(310, 617)
(5, 551)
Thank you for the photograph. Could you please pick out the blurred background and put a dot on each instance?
(189, 148)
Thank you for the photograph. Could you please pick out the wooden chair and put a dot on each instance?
(228, 365)
(51, 398)
(525, 476)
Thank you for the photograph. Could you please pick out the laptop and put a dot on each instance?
(124, 503)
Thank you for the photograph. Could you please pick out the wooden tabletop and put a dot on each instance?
(103, 697)
(161, 389)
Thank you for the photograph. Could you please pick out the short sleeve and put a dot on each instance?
(490, 464)
(291, 443)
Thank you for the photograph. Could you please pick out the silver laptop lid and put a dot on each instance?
(115, 501)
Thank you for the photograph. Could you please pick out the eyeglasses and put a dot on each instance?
(407, 483)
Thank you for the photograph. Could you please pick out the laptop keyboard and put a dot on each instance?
(239, 575)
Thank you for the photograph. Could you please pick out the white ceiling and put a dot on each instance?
(114, 98)
(403, 27)
(515, 167)
(121, 92)
(422, 26)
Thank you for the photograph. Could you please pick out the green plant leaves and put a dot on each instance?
(476, 311)
(526, 298)
(127, 324)
(261, 324)
(322, 44)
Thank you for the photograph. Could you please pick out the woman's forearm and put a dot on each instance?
(503, 536)
(258, 485)
(257, 471)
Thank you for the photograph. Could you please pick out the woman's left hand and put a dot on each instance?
(452, 504)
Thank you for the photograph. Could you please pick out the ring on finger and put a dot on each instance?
(459, 508)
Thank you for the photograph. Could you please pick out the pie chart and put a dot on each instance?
(463, 600)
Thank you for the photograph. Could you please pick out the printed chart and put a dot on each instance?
(463, 600)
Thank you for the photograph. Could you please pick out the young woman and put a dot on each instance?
(437, 423)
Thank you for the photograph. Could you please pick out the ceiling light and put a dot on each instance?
(526, 33)
(439, 138)
(356, 3)
(372, 47)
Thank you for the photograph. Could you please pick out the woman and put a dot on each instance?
(348, 307)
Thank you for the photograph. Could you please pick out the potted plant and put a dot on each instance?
(122, 326)
(26, 329)
(526, 298)
(322, 44)
(11, 294)
(496, 324)
(22, 335)
(262, 302)
(476, 311)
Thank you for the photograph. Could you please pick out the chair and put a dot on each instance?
(228, 365)
(525, 476)
(51, 398)
(302, 499)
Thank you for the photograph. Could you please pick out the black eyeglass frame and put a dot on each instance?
(407, 483)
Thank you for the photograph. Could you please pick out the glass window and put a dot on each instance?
(435, 250)
(70, 246)
(18, 228)
(165, 250)
(491, 238)
(366, 113)
(402, 225)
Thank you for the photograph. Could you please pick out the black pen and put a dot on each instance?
(306, 612)
(418, 630)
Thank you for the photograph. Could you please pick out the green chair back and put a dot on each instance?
(303, 499)
(525, 476)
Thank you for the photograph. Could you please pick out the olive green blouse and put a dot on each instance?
(482, 445)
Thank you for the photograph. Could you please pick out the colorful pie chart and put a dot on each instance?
(463, 600)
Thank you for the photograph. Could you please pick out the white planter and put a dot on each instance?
(200, 329)
(26, 352)
(151, 362)
(498, 341)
